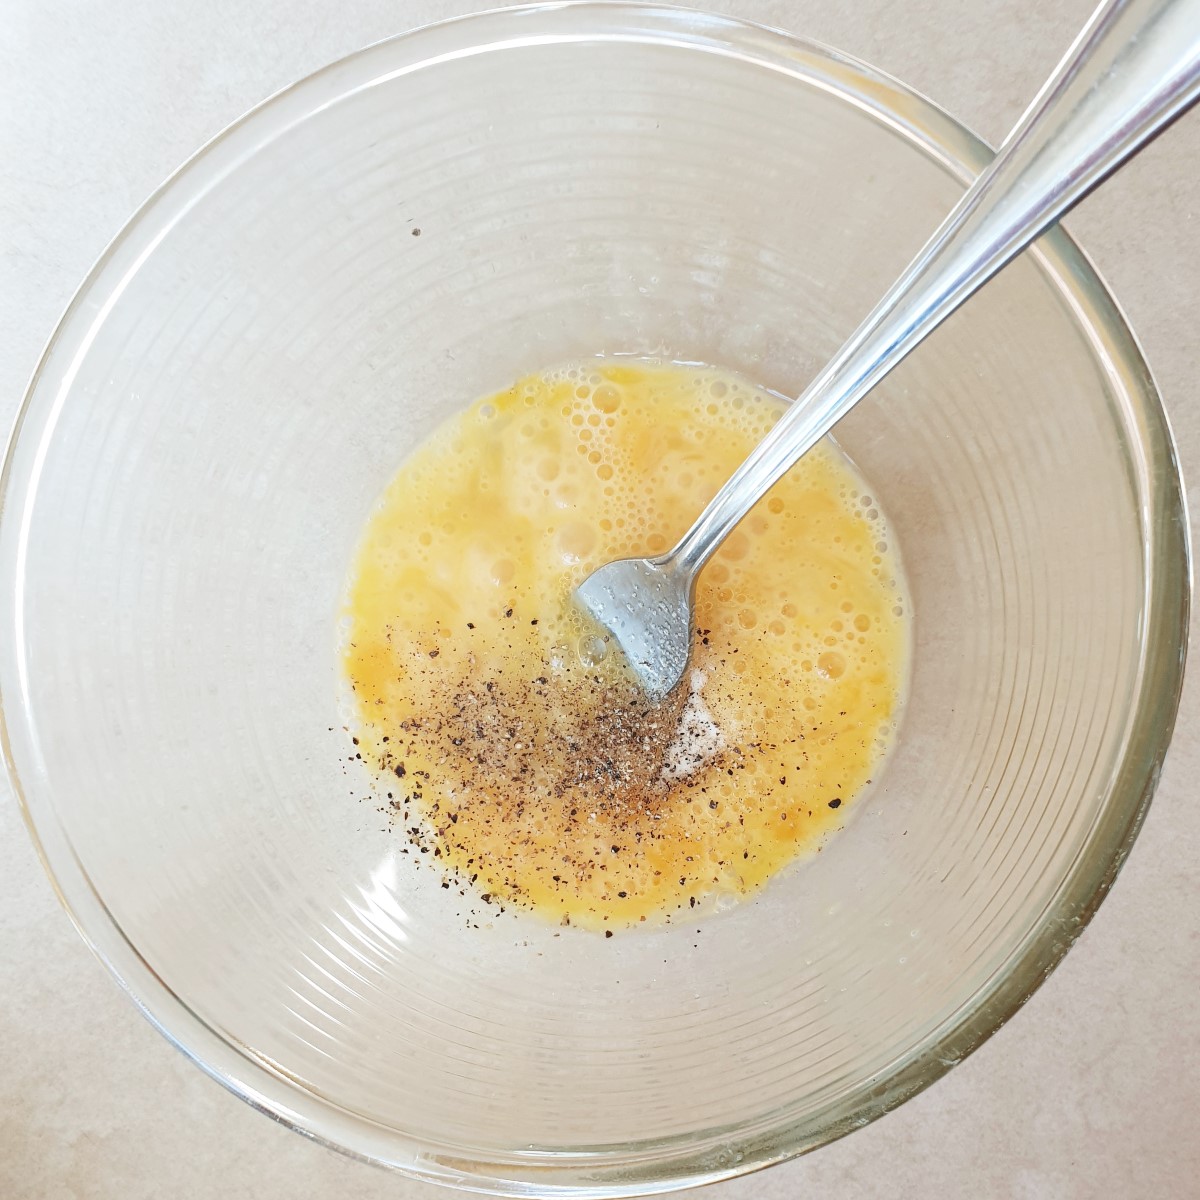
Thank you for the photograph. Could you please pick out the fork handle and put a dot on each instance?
(1134, 68)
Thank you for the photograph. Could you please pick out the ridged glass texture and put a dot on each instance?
(241, 374)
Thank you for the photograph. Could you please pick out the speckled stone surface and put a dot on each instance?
(1091, 1091)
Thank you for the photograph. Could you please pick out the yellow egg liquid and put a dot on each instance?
(515, 747)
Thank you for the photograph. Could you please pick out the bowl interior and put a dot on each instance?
(242, 374)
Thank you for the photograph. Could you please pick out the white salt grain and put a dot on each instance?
(698, 737)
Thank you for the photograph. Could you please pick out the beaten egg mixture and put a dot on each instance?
(517, 749)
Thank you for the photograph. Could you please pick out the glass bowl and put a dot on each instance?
(240, 375)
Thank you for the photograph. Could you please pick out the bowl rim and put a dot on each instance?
(681, 1161)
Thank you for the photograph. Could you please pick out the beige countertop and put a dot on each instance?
(1091, 1091)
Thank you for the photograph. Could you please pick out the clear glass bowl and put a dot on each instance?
(241, 374)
